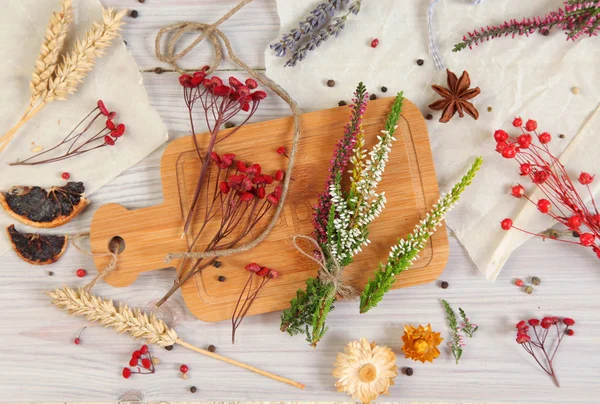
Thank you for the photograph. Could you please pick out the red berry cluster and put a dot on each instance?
(562, 202)
(142, 362)
(541, 344)
(247, 181)
(116, 130)
(262, 271)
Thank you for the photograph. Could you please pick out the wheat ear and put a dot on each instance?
(52, 46)
(137, 324)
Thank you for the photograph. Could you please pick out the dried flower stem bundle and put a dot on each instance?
(136, 323)
(67, 75)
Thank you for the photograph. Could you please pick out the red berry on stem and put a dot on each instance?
(521, 324)
(136, 354)
(281, 150)
(500, 135)
(517, 122)
(524, 141)
(184, 368)
(144, 349)
(517, 191)
(501, 146)
(519, 282)
(81, 272)
(126, 373)
(568, 321)
(374, 43)
(534, 322)
(251, 84)
(509, 152)
(146, 363)
(279, 175)
(525, 168)
(546, 322)
(585, 178)
(506, 224)
(531, 125)
(587, 239)
(102, 108)
(544, 205)
(544, 138)
(110, 124)
(77, 341)
(574, 222)
(133, 362)
(65, 175)
(109, 140)
(570, 332)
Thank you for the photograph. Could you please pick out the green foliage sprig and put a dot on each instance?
(456, 345)
(467, 327)
(407, 250)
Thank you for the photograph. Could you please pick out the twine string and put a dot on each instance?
(216, 37)
(333, 276)
(437, 59)
(112, 265)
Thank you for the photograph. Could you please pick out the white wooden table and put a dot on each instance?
(39, 362)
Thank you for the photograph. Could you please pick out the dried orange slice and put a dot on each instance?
(37, 249)
(38, 207)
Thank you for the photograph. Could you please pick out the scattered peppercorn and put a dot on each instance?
(155, 361)
(536, 281)
(373, 97)
(133, 14)
(212, 348)
(229, 125)
(562, 136)
(342, 103)
(193, 389)
(384, 89)
(444, 285)
(158, 70)
(429, 117)
(221, 278)
(50, 273)
(409, 371)
(420, 62)
(374, 43)
(489, 109)
(125, 42)
(65, 175)
(575, 234)
(330, 83)
(575, 90)
(529, 290)
(217, 264)
(519, 282)
(142, 1)
(169, 347)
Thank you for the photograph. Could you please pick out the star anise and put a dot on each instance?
(454, 98)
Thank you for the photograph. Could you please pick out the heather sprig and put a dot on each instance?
(457, 343)
(467, 327)
(317, 37)
(406, 251)
(576, 18)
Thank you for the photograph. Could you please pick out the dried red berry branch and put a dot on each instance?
(562, 202)
(79, 141)
(142, 362)
(241, 197)
(265, 274)
(538, 348)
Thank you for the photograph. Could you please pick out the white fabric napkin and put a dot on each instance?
(528, 77)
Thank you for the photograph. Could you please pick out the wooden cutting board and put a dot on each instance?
(150, 233)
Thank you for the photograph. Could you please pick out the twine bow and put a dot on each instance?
(330, 271)
(437, 60)
(112, 265)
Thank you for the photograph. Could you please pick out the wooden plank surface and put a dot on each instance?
(39, 362)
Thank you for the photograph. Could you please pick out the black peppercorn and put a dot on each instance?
(409, 371)
(229, 125)
(575, 234)
(342, 103)
(489, 109)
(193, 389)
(384, 89)
(444, 285)
(125, 42)
(212, 348)
(373, 97)
(420, 62)
(217, 264)
(158, 70)
(562, 136)
(429, 117)
(142, 1)
(133, 14)
(169, 347)
(330, 83)
(50, 273)
(221, 278)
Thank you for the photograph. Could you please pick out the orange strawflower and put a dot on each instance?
(420, 344)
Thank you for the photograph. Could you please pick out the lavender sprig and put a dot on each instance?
(315, 40)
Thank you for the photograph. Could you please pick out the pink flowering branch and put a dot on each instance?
(577, 18)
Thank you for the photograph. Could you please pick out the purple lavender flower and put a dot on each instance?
(315, 40)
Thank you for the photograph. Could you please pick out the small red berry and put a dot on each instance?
(146, 363)
(501, 146)
(77, 341)
(546, 322)
(587, 239)
(585, 178)
(281, 150)
(81, 272)
(531, 125)
(279, 175)
(136, 354)
(534, 322)
(273, 200)
(524, 141)
(500, 135)
(517, 122)
(544, 205)
(144, 349)
(519, 282)
(374, 43)
(568, 321)
(509, 152)
(224, 187)
(517, 191)
(251, 84)
(110, 124)
(545, 137)
(102, 108)
(184, 368)
(570, 332)
(521, 324)
(523, 338)
(109, 140)
(133, 362)
(65, 175)
(126, 373)
(574, 222)
(506, 224)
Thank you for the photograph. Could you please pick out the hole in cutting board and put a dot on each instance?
(116, 244)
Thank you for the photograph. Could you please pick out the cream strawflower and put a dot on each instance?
(365, 370)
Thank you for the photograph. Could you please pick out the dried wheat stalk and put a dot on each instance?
(136, 323)
(52, 46)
